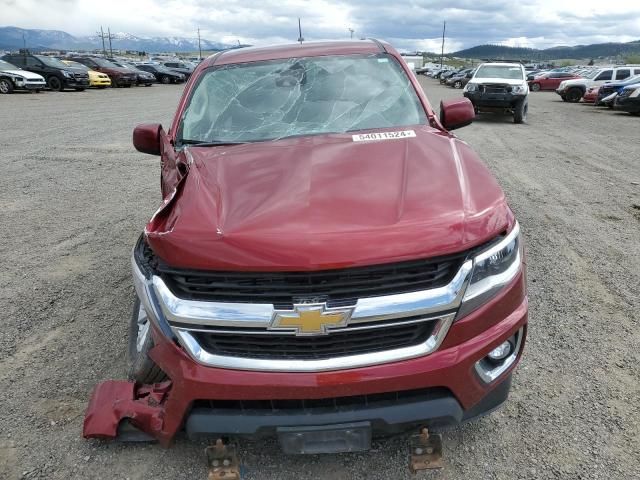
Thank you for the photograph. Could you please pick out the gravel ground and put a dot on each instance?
(74, 196)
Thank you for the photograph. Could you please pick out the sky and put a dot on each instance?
(408, 25)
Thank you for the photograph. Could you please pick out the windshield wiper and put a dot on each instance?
(204, 143)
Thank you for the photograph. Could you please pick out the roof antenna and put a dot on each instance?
(300, 37)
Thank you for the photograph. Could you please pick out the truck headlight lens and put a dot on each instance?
(471, 87)
(518, 89)
(493, 269)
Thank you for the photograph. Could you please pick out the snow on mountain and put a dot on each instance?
(12, 38)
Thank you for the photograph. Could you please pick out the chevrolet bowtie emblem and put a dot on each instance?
(310, 319)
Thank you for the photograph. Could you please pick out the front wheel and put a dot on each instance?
(141, 368)
(55, 84)
(457, 84)
(535, 87)
(574, 95)
(6, 86)
(165, 80)
(520, 111)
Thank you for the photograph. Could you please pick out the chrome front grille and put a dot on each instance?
(405, 319)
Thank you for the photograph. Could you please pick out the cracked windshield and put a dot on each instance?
(304, 96)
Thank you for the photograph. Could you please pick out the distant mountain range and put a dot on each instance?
(595, 50)
(11, 38)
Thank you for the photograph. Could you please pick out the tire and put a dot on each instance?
(165, 80)
(457, 84)
(55, 84)
(6, 86)
(634, 114)
(128, 85)
(520, 111)
(141, 368)
(535, 87)
(574, 95)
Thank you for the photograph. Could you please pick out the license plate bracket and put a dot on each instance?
(340, 438)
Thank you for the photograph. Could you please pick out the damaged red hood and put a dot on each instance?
(327, 201)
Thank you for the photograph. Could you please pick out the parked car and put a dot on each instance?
(550, 80)
(534, 73)
(500, 87)
(57, 74)
(591, 94)
(629, 100)
(96, 79)
(263, 308)
(120, 77)
(446, 74)
(162, 73)
(611, 88)
(14, 78)
(142, 78)
(460, 80)
(181, 67)
(573, 90)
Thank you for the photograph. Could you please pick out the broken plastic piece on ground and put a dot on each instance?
(223, 461)
(425, 451)
(112, 402)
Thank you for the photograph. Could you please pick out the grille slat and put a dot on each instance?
(336, 344)
(325, 404)
(283, 289)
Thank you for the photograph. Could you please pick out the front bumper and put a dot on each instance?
(100, 82)
(493, 100)
(627, 104)
(31, 85)
(162, 410)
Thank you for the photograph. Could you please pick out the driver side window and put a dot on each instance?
(606, 75)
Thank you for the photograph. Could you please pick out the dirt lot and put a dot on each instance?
(74, 196)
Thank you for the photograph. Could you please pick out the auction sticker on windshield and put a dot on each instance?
(367, 137)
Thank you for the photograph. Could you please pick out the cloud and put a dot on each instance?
(409, 25)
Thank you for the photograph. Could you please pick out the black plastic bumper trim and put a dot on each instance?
(388, 419)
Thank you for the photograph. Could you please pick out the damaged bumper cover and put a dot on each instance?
(162, 410)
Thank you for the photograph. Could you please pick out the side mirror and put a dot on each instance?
(456, 113)
(146, 138)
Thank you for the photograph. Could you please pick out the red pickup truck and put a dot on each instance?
(328, 262)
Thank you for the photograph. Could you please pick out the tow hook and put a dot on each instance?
(223, 461)
(425, 451)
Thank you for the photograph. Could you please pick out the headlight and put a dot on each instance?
(493, 269)
(518, 89)
(635, 93)
(67, 74)
(471, 87)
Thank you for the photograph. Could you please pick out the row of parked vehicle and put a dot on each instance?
(617, 87)
(27, 71)
(456, 78)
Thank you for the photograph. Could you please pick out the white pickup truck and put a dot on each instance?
(573, 90)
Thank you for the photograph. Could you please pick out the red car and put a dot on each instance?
(550, 81)
(328, 262)
(591, 95)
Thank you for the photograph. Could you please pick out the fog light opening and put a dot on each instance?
(498, 360)
(501, 352)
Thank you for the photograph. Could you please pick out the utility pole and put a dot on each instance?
(110, 37)
(199, 46)
(101, 33)
(351, 30)
(444, 27)
(300, 37)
